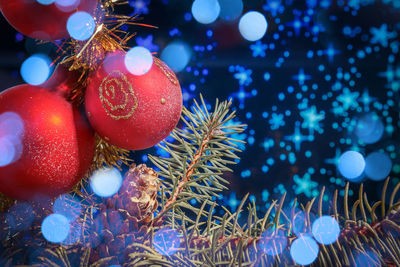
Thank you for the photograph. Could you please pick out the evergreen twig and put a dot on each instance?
(199, 156)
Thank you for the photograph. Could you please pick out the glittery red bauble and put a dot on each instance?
(53, 143)
(40, 21)
(130, 111)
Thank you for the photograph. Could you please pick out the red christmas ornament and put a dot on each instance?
(129, 111)
(46, 144)
(43, 21)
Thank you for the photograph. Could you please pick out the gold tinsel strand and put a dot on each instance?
(109, 155)
(107, 37)
(86, 57)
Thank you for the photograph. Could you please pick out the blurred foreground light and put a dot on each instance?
(45, 2)
(81, 26)
(205, 11)
(378, 166)
(68, 206)
(138, 60)
(74, 234)
(7, 151)
(369, 128)
(67, 5)
(304, 250)
(35, 70)
(351, 165)
(367, 258)
(106, 182)
(11, 130)
(326, 230)
(176, 55)
(273, 242)
(11, 124)
(55, 228)
(253, 26)
(67, 2)
(167, 241)
(20, 216)
(230, 9)
(300, 223)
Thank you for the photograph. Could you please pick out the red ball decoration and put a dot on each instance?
(52, 144)
(130, 111)
(43, 21)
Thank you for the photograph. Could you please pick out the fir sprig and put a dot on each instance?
(223, 241)
(199, 155)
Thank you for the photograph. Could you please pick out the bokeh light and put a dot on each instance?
(304, 250)
(106, 182)
(167, 241)
(35, 70)
(11, 124)
(68, 206)
(55, 228)
(326, 230)
(45, 2)
(253, 26)
(369, 128)
(378, 166)
(367, 258)
(230, 9)
(81, 26)
(7, 152)
(299, 225)
(351, 164)
(273, 242)
(11, 130)
(205, 11)
(74, 234)
(67, 2)
(67, 5)
(138, 60)
(20, 216)
(176, 55)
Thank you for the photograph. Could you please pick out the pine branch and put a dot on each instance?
(226, 243)
(223, 241)
(199, 155)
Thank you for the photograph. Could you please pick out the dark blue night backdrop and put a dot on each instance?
(324, 80)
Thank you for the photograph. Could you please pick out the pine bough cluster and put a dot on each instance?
(152, 220)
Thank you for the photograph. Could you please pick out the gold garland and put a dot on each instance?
(86, 57)
(109, 155)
